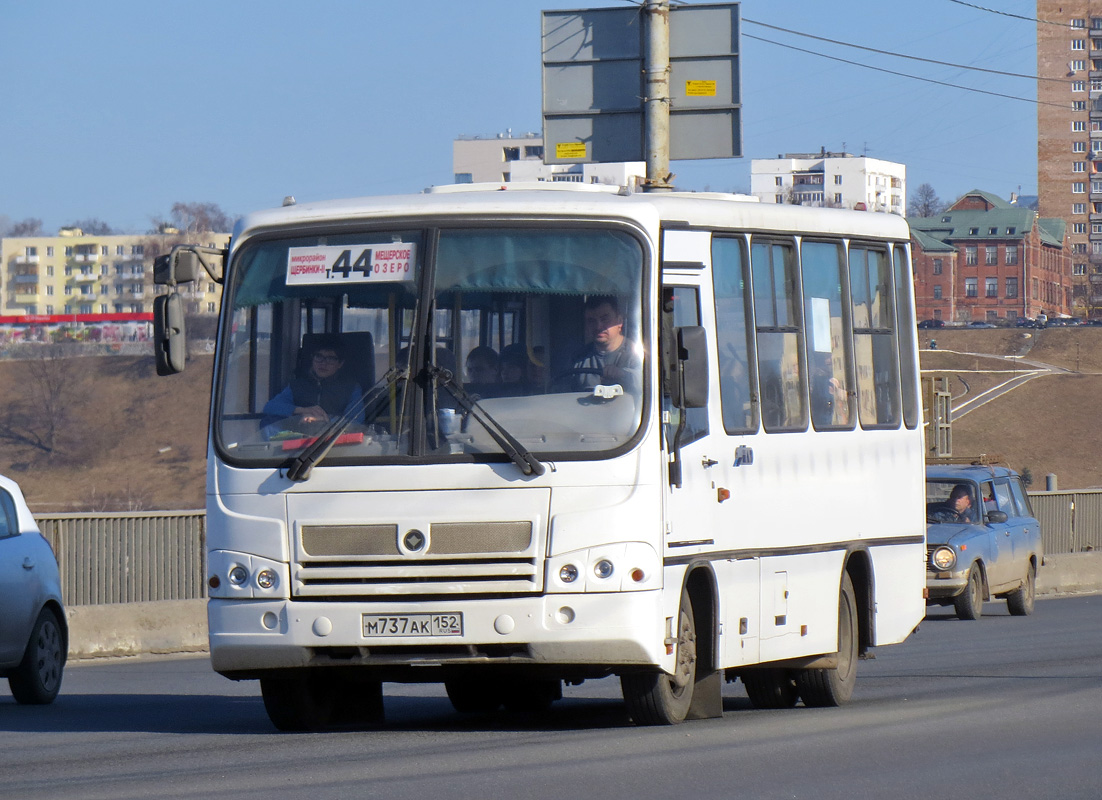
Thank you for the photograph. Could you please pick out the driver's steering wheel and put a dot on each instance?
(570, 373)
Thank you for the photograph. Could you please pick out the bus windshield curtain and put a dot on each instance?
(574, 262)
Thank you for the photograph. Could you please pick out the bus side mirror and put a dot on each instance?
(169, 338)
(179, 266)
(692, 356)
(186, 263)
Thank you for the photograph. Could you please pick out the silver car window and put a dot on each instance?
(1024, 509)
(1002, 497)
(987, 497)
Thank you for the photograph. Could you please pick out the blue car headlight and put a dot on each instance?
(943, 558)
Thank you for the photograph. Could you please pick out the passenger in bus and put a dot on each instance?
(957, 509)
(537, 369)
(317, 393)
(483, 372)
(515, 370)
(609, 357)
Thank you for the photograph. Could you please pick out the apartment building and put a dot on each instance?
(832, 180)
(96, 278)
(490, 159)
(1069, 134)
(984, 259)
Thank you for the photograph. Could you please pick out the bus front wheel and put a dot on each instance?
(299, 703)
(834, 686)
(655, 698)
(474, 694)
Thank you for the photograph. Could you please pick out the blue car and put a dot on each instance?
(34, 636)
(982, 540)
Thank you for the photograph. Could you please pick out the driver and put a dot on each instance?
(609, 358)
(958, 508)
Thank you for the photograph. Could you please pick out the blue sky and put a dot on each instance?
(116, 109)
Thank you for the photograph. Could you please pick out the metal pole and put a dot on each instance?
(656, 85)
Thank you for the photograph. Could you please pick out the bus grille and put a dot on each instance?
(371, 561)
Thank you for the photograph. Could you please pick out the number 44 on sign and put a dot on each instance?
(353, 264)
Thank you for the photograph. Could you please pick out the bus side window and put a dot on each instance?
(736, 383)
(874, 337)
(904, 304)
(777, 316)
(830, 366)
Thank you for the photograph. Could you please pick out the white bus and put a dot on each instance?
(688, 449)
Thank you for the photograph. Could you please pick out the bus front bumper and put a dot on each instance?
(251, 637)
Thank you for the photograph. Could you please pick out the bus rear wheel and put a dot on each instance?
(770, 688)
(655, 698)
(533, 696)
(834, 686)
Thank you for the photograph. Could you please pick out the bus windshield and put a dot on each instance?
(429, 343)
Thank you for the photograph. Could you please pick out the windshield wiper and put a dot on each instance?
(300, 466)
(518, 453)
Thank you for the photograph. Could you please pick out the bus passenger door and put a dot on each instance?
(691, 501)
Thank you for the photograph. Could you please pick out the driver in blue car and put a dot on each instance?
(609, 358)
(958, 508)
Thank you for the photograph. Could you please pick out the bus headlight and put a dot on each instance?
(624, 566)
(943, 558)
(244, 576)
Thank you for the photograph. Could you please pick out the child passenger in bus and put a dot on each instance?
(483, 372)
(515, 368)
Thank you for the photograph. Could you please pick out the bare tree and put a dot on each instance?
(28, 227)
(925, 202)
(188, 221)
(127, 498)
(191, 218)
(92, 227)
(44, 421)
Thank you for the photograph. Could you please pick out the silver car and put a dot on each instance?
(34, 636)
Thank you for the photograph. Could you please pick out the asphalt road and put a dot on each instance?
(1001, 707)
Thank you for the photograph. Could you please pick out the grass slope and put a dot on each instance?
(123, 438)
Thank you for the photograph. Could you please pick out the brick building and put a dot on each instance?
(985, 259)
(1069, 134)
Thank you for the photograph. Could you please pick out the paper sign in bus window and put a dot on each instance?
(378, 263)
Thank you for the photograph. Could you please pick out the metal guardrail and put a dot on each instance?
(128, 557)
(159, 555)
(1071, 522)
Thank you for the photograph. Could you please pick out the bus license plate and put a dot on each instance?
(413, 624)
